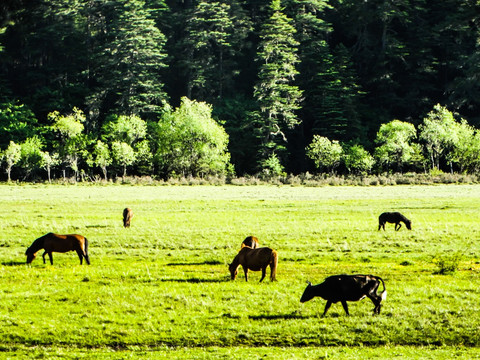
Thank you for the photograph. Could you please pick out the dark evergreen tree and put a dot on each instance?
(127, 63)
(44, 55)
(275, 92)
(215, 34)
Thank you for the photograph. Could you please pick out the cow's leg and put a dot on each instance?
(345, 307)
(376, 300)
(327, 306)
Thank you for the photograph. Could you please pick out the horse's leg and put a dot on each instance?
(245, 270)
(264, 272)
(50, 256)
(80, 256)
(43, 256)
(399, 226)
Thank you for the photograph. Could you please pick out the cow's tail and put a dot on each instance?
(87, 258)
(384, 292)
(273, 266)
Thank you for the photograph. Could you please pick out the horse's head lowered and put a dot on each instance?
(31, 254)
(408, 224)
(233, 270)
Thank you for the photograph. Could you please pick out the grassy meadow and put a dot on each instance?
(161, 288)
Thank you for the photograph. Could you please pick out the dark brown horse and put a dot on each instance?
(255, 260)
(250, 241)
(393, 217)
(127, 217)
(59, 243)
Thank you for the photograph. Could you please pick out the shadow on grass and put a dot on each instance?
(13, 263)
(292, 316)
(208, 262)
(195, 280)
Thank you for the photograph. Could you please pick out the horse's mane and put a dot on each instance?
(403, 218)
(37, 244)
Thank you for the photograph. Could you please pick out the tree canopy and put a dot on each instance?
(275, 75)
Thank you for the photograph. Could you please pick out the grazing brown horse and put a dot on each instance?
(255, 260)
(393, 217)
(127, 217)
(59, 243)
(250, 241)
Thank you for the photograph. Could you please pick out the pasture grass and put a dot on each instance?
(161, 288)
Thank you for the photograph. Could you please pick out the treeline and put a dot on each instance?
(166, 88)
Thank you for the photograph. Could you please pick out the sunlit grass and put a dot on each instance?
(161, 288)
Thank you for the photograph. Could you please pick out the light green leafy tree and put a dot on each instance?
(144, 157)
(48, 161)
(17, 123)
(326, 154)
(72, 142)
(131, 130)
(358, 160)
(272, 167)
(11, 156)
(396, 147)
(31, 156)
(191, 142)
(128, 129)
(123, 155)
(102, 157)
(465, 153)
(439, 133)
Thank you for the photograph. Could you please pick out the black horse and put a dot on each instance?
(393, 217)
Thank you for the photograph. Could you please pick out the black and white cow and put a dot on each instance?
(345, 288)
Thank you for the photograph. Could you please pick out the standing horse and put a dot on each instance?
(255, 260)
(393, 217)
(250, 241)
(127, 217)
(59, 243)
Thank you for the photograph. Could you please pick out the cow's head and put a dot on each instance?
(308, 294)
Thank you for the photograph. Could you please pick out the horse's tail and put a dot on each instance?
(273, 265)
(87, 258)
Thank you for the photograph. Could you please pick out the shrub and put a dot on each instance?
(447, 263)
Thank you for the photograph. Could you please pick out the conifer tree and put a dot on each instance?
(276, 93)
(128, 63)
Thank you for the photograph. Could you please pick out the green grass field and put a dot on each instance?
(161, 288)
